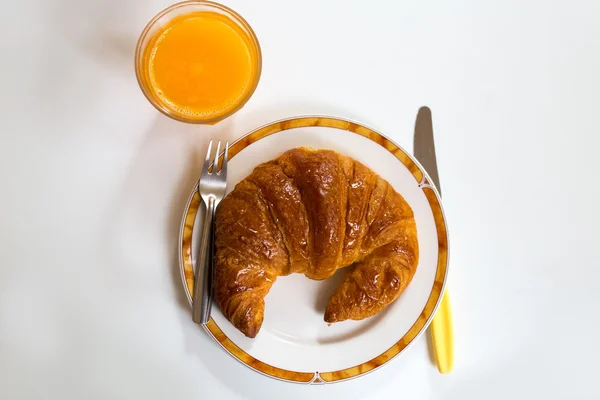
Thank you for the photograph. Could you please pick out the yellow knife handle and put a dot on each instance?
(442, 334)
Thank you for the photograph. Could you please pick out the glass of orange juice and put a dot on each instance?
(198, 62)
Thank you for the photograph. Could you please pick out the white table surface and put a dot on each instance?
(94, 182)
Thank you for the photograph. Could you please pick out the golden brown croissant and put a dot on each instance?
(312, 212)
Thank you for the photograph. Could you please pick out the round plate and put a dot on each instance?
(294, 343)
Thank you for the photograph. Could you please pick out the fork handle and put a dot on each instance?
(204, 271)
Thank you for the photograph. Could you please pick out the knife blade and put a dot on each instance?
(442, 331)
(424, 146)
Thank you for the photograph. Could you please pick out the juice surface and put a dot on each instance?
(201, 65)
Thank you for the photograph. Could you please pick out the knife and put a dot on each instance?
(442, 331)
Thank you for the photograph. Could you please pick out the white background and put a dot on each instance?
(94, 182)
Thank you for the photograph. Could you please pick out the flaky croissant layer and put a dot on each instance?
(313, 212)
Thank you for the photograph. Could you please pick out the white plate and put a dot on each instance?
(294, 343)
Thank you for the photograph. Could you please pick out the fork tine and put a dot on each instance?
(216, 163)
(225, 158)
(207, 159)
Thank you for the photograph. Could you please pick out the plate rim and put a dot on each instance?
(425, 183)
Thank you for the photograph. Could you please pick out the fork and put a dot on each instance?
(211, 187)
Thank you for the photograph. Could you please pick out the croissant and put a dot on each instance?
(312, 212)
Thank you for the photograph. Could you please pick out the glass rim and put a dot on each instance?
(233, 15)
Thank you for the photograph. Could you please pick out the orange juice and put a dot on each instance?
(200, 66)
